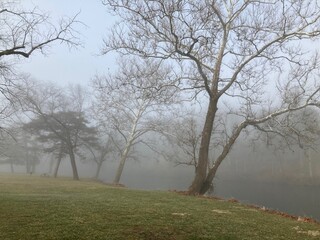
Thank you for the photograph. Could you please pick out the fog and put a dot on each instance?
(260, 176)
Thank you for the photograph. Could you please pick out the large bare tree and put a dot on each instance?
(257, 57)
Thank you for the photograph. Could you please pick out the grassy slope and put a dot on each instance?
(43, 208)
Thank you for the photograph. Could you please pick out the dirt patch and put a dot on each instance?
(221, 211)
(181, 214)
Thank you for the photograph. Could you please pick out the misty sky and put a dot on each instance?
(62, 65)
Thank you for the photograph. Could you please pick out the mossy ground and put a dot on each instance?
(33, 207)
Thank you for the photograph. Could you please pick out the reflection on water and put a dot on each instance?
(295, 200)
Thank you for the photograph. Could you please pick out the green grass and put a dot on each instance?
(34, 207)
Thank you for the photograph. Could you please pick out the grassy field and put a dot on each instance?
(34, 207)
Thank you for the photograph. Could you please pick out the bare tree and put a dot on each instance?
(130, 101)
(102, 154)
(23, 33)
(180, 135)
(98, 151)
(26, 31)
(253, 56)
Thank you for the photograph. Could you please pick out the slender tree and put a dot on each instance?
(100, 151)
(130, 101)
(180, 135)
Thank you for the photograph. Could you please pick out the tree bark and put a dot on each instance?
(55, 174)
(129, 142)
(227, 148)
(73, 165)
(201, 170)
(99, 165)
(121, 164)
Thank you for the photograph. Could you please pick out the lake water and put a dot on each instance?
(296, 200)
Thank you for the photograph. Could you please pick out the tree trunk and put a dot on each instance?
(207, 181)
(99, 165)
(55, 174)
(201, 170)
(124, 156)
(129, 143)
(73, 165)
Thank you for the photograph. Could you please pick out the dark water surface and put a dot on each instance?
(296, 200)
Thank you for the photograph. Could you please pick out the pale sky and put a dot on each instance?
(78, 65)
